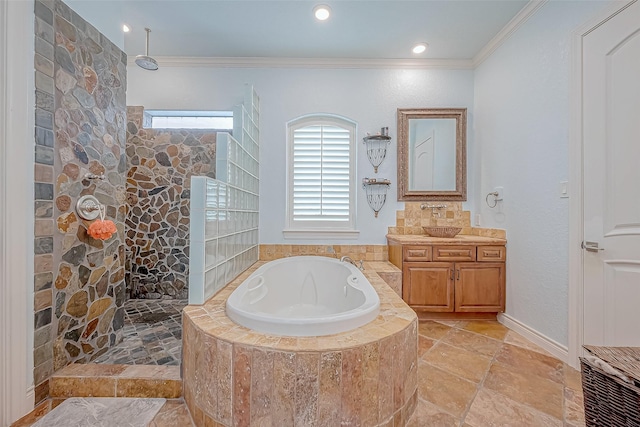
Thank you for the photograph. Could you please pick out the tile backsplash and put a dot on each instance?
(356, 252)
(413, 218)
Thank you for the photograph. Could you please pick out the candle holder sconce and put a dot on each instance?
(377, 147)
(376, 190)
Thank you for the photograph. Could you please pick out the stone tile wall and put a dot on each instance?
(44, 179)
(80, 128)
(161, 163)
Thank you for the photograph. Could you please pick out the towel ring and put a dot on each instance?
(495, 199)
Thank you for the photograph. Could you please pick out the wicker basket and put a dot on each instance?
(608, 400)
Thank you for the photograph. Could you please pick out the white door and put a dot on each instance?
(611, 138)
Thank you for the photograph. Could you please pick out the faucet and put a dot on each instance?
(433, 208)
(351, 261)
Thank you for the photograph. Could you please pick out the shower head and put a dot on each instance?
(145, 61)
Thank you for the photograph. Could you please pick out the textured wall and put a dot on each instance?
(80, 129)
(161, 163)
(368, 96)
(522, 128)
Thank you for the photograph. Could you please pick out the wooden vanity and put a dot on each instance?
(459, 277)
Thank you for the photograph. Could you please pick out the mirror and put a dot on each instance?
(432, 154)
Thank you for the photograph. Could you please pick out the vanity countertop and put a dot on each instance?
(460, 239)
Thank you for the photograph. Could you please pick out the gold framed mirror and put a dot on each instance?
(432, 154)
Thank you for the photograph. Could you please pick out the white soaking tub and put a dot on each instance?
(304, 296)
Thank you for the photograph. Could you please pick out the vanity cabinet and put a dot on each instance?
(452, 278)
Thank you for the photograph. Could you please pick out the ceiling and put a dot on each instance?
(454, 29)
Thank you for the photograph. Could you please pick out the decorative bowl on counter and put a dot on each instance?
(442, 231)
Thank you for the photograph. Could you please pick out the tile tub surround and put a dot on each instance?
(80, 123)
(412, 219)
(235, 376)
(161, 163)
(356, 252)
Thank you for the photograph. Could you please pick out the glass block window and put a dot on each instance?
(169, 119)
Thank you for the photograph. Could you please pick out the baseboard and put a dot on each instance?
(554, 348)
(19, 409)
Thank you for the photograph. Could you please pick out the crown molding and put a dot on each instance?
(354, 63)
(316, 63)
(512, 26)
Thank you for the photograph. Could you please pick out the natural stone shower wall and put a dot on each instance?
(161, 163)
(80, 129)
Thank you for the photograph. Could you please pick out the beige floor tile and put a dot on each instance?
(531, 362)
(433, 330)
(451, 323)
(493, 409)
(472, 342)
(466, 364)
(424, 344)
(172, 414)
(515, 338)
(540, 393)
(428, 414)
(488, 328)
(443, 389)
(572, 378)
(573, 407)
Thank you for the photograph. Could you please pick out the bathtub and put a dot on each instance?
(304, 296)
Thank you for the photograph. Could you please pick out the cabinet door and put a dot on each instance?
(480, 287)
(428, 285)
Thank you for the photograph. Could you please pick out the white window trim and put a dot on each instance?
(318, 229)
(187, 114)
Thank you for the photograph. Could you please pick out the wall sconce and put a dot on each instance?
(377, 147)
(376, 190)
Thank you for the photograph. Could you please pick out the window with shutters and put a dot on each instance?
(321, 177)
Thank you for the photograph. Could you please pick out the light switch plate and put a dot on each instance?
(564, 189)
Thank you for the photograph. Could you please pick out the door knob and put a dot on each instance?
(591, 246)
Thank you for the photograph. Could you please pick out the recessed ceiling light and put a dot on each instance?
(420, 47)
(125, 28)
(322, 12)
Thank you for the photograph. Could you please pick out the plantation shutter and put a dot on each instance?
(321, 173)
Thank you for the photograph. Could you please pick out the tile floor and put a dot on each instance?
(471, 374)
(173, 413)
(479, 373)
(152, 334)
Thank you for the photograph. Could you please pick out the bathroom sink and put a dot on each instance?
(442, 231)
